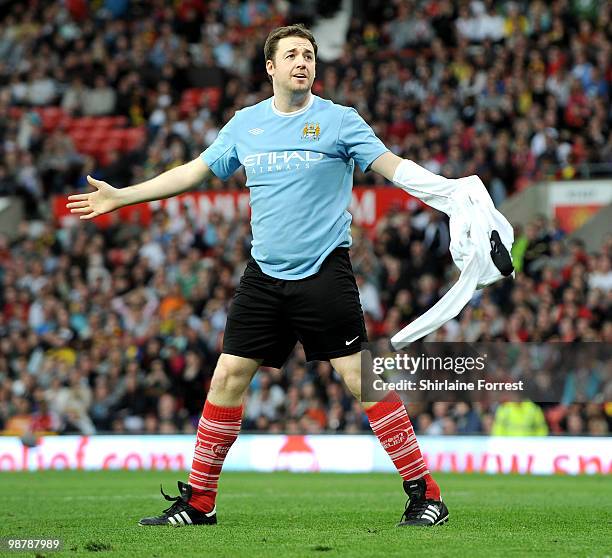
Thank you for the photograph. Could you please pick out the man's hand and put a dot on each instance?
(104, 199)
(170, 183)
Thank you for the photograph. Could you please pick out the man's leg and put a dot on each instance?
(256, 330)
(217, 431)
(391, 424)
(219, 426)
(389, 418)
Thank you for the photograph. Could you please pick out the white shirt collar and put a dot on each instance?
(294, 113)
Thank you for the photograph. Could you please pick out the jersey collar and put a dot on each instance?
(295, 113)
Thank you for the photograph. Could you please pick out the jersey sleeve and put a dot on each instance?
(221, 156)
(358, 141)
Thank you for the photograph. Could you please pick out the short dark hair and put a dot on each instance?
(297, 30)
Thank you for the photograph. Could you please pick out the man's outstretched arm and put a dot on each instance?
(433, 189)
(386, 164)
(105, 198)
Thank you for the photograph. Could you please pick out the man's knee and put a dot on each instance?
(233, 374)
(349, 368)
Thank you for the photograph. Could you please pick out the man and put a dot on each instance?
(298, 152)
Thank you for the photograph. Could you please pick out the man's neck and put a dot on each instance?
(291, 102)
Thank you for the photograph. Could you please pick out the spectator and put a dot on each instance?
(370, 300)
(73, 99)
(601, 277)
(41, 89)
(266, 401)
(519, 418)
(72, 403)
(99, 100)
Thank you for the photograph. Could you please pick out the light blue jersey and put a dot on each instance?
(299, 169)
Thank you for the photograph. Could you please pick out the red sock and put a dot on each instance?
(389, 421)
(217, 430)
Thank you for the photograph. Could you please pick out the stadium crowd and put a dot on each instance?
(511, 91)
(119, 329)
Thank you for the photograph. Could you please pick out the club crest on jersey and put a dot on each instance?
(311, 131)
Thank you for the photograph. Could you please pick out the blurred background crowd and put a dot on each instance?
(119, 329)
(511, 91)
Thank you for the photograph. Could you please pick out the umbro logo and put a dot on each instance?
(256, 131)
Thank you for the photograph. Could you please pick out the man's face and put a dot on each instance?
(293, 68)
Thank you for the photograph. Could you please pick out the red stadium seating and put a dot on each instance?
(79, 136)
(133, 138)
(84, 122)
(15, 112)
(53, 117)
(198, 97)
(50, 117)
(98, 136)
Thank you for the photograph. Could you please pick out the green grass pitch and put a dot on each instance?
(316, 515)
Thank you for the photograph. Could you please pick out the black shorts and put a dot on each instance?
(267, 315)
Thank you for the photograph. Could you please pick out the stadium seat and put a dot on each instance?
(99, 133)
(15, 112)
(50, 117)
(50, 112)
(118, 121)
(64, 122)
(84, 122)
(105, 122)
(79, 136)
(115, 134)
(133, 138)
(196, 97)
(88, 147)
